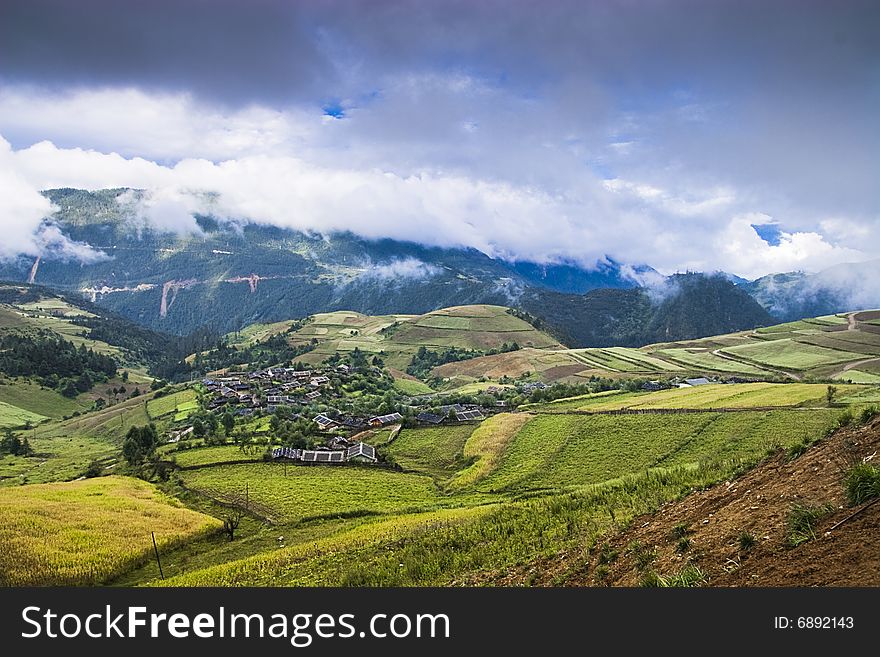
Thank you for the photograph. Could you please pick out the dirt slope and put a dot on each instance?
(758, 503)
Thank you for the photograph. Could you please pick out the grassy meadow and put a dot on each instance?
(85, 532)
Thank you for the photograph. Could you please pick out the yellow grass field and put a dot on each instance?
(486, 445)
(85, 532)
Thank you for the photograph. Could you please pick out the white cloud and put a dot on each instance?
(446, 160)
(22, 210)
(401, 269)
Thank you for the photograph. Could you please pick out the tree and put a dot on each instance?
(139, 444)
(199, 430)
(829, 394)
(10, 444)
(228, 422)
(69, 389)
(231, 521)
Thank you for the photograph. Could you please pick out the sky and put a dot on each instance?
(687, 135)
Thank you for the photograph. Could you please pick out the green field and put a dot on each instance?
(789, 354)
(316, 491)
(13, 416)
(217, 454)
(87, 531)
(322, 562)
(560, 451)
(410, 387)
(434, 451)
(39, 400)
(173, 403)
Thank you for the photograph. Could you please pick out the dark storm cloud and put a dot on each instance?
(271, 49)
(231, 51)
(656, 131)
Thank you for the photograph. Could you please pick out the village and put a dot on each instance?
(339, 405)
(319, 396)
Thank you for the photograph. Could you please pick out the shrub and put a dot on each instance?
(643, 555)
(746, 541)
(796, 450)
(868, 413)
(802, 520)
(681, 530)
(862, 483)
(607, 555)
(684, 544)
(94, 469)
(601, 574)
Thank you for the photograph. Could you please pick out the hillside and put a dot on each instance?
(844, 347)
(225, 276)
(740, 533)
(795, 295)
(176, 283)
(687, 306)
(397, 338)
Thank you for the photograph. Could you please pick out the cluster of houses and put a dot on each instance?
(458, 412)
(270, 388)
(358, 452)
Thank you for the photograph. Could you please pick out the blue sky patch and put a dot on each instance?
(770, 233)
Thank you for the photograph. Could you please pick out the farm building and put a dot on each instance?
(286, 453)
(325, 423)
(429, 418)
(382, 420)
(473, 414)
(319, 381)
(701, 381)
(361, 451)
(322, 456)
(313, 395)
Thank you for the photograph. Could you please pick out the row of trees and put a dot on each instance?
(56, 362)
(13, 445)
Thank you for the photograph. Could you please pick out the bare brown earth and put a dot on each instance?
(759, 503)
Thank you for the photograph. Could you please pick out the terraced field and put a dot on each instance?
(789, 354)
(562, 451)
(704, 360)
(399, 336)
(737, 395)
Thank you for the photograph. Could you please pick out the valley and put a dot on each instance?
(473, 447)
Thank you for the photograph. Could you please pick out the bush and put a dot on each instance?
(746, 541)
(681, 530)
(688, 576)
(802, 520)
(862, 483)
(94, 469)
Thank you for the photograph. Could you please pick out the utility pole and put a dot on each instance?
(156, 550)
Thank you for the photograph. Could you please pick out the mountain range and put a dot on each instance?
(226, 275)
